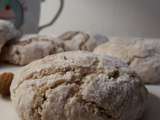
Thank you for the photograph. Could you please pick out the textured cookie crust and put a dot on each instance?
(30, 48)
(74, 40)
(142, 55)
(7, 32)
(78, 86)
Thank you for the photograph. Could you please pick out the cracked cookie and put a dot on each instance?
(74, 40)
(142, 55)
(30, 48)
(78, 86)
(7, 32)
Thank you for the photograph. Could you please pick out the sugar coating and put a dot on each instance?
(142, 55)
(29, 48)
(77, 40)
(78, 86)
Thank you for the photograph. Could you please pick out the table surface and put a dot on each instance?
(152, 111)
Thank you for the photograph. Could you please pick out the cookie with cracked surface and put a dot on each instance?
(74, 40)
(30, 48)
(7, 32)
(78, 86)
(142, 55)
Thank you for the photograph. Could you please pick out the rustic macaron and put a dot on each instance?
(7, 32)
(28, 48)
(78, 86)
(142, 55)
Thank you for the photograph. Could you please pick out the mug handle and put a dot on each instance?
(54, 18)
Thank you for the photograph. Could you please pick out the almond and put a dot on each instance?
(5, 82)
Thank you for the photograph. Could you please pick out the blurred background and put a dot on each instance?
(138, 18)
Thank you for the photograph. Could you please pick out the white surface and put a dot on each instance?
(7, 111)
(110, 17)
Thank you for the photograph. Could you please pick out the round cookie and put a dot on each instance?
(30, 48)
(142, 55)
(74, 40)
(7, 32)
(78, 86)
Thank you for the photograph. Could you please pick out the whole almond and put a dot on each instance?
(5, 82)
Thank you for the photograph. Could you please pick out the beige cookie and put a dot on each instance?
(142, 55)
(7, 32)
(74, 40)
(78, 86)
(30, 48)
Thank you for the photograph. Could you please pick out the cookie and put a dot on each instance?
(78, 86)
(30, 48)
(7, 32)
(74, 40)
(142, 55)
(5, 82)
